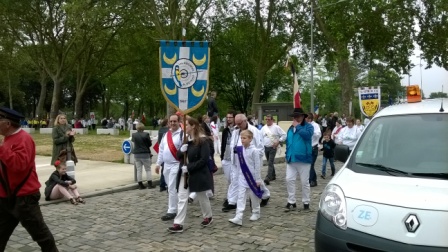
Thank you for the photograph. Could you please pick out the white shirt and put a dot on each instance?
(253, 160)
(272, 133)
(360, 127)
(349, 136)
(316, 135)
(165, 155)
(215, 130)
(334, 136)
(257, 141)
(324, 122)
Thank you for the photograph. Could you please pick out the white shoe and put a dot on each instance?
(254, 217)
(236, 221)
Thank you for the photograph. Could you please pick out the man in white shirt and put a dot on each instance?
(315, 146)
(169, 145)
(272, 136)
(349, 134)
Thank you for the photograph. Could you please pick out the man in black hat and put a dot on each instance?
(19, 185)
(298, 158)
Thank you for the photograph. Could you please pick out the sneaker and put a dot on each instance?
(290, 207)
(207, 221)
(254, 217)
(190, 200)
(313, 184)
(228, 208)
(306, 207)
(168, 216)
(176, 228)
(322, 176)
(236, 221)
(225, 203)
(264, 202)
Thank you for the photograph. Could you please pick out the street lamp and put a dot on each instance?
(182, 14)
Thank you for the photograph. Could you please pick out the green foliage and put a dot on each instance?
(438, 95)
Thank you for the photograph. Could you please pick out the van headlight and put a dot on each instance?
(333, 206)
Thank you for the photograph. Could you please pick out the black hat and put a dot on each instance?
(10, 114)
(298, 112)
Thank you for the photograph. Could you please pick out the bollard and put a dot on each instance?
(70, 168)
(70, 163)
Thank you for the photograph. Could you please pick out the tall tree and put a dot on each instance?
(381, 30)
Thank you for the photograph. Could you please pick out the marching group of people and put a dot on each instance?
(185, 159)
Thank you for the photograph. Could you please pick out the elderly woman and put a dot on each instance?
(142, 155)
(63, 138)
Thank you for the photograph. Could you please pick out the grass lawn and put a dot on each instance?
(90, 146)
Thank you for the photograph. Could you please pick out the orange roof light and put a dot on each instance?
(413, 93)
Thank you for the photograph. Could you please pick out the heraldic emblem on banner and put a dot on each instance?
(184, 73)
(369, 100)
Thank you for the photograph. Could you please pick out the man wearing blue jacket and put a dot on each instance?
(298, 158)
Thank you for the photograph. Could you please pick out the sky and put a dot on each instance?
(432, 79)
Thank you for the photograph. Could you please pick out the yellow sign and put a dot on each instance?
(369, 100)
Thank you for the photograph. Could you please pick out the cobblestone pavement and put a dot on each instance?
(130, 221)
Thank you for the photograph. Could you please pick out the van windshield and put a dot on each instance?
(404, 145)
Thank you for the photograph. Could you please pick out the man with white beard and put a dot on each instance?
(232, 194)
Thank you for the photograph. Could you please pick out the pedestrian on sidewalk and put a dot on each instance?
(61, 185)
(170, 144)
(19, 184)
(328, 148)
(142, 155)
(249, 178)
(298, 158)
(63, 137)
(194, 175)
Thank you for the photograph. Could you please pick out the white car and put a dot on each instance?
(392, 192)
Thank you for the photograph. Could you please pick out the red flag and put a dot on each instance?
(296, 92)
(143, 118)
(156, 147)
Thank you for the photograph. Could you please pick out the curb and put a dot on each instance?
(134, 186)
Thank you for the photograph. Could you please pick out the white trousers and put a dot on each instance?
(227, 168)
(182, 205)
(193, 195)
(146, 162)
(241, 204)
(232, 192)
(217, 145)
(303, 170)
(170, 174)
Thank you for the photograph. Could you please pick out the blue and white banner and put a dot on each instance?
(184, 68)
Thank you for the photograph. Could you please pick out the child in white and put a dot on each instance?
(252, 158)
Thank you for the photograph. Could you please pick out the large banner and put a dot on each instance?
(184, 73)
(369, 100)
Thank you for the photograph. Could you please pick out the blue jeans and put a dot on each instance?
(324, 165)
(313, 177)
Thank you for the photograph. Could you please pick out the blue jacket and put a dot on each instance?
(298, 144)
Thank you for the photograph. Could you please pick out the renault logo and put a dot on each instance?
(412, 223)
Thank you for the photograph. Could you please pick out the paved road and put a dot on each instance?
(130, 221)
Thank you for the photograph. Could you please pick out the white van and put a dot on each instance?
(392, 192)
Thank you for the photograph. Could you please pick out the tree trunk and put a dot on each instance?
(56, 100)
(43, 94)
(9, 91)
(78, 105)
(347, 85)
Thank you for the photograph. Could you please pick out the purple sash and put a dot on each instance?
(247, 175)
